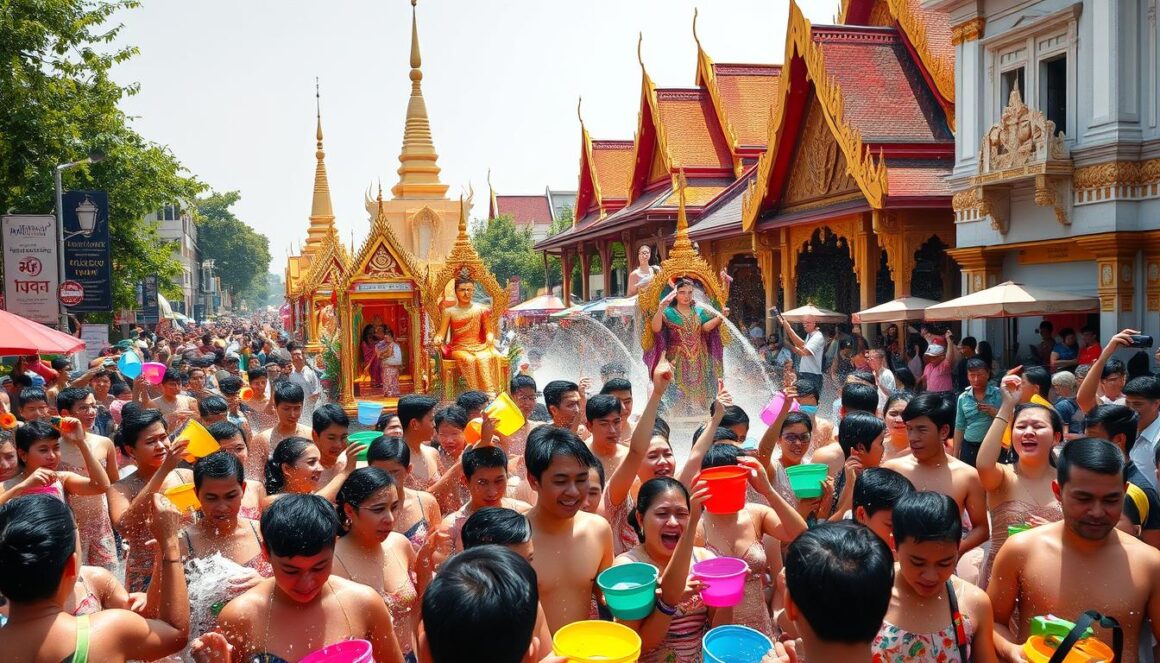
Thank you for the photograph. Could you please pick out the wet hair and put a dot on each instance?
(612, 369)
(224, 430)
(602, 405)
(218, 465)
(858, 431)
(1038, 376)
(724, 435)
(37, 537)
(933, 406)
(905, 379)
(484, 595)
(30, 395)
(474, 459)
(970, 342)
(1145, 386)
(808, 387)
(878, 489)
(257, 374)
(927, 516)
(286, 391)
(385, 420)
(977, 364)
(358, 488)
(1092, 454)
(494, 525)
(298, 525)
(522, 382)
(134, 421)
(661, 429)
(68, 398)
(864, 376)
(616, 384)
(548, 442)
(33, 432)
(329, 415)
(1052, 416)
(795, 419)
(211, 405)
(116, 390)
(1115, 420)
(554, 391)
(171, 375)
(720, 455)
(471, 401)
(59, 363)
(857, 570)
(904, 396)
(287, 452)
(734, 415)
(452, 415)
(230, 385)
(1113, 367)
(385, 448)
(413, 407)
(858, 397)
(647, 495)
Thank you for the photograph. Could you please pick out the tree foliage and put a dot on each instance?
(241, 255)
(60, 103)
(507, 251)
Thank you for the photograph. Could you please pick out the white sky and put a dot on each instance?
(229, 86)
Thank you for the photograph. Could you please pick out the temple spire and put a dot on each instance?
(321, 210)
(681, 243)
(418, 169)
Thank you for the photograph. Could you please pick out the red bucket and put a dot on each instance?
(727, 486)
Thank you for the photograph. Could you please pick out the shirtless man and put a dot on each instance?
(485, 477)
(330, 431)
(572, 547)
(929, 419)
(622, 390)
(417, 415)
(303, 607)
(565, 402)
(288, 399)
(603, 414)
(806, 391)
(174, 406)
(856, 397)
(98, 547)
(1081, 563)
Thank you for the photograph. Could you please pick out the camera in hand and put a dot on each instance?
(1141, 341)
(776, 312)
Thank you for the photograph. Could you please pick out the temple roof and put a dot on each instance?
(722, 217)
(748, 93)
(694, 135)
(524, 210)
(605, 168)
(321, 210)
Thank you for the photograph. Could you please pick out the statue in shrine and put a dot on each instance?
(465, 338)
(327, 322)
(687, 335)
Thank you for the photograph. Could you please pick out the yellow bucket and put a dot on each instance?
(201, 443)
(183, 497)
(592, 641)
(508, 417)
(1038, 649)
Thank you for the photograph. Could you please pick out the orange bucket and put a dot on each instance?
(246, 394)
(183, 497)
(7, 421)
(474, 429)
(1039, 649)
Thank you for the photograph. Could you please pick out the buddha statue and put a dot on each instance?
(465, 338)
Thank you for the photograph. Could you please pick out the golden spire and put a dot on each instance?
(321, 211)
(491, 197)
(681, 243)
(418, 170)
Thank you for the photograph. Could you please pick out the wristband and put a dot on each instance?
(1005, 422)
(665, 608)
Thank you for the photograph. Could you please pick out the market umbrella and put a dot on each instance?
(903, 308)
(621, 306)
(821, 315)
(1012, 299)
(21, 336)
(541, 304)
(575, 310)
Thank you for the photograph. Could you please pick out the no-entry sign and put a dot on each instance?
(71, 293)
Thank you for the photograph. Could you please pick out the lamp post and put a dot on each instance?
(95, 156)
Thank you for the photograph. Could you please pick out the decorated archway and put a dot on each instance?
(933, 276)
(747, 294)
(825, 272)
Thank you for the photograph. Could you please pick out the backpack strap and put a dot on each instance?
(1085, 620)
(957, 624)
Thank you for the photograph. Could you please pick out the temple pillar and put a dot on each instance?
(566, 272)
(346, 351)
(981, 270)
(789, 257)
(1115, 255)
(888, 229)
(864, 251)
(1151, 314)
(768, 261)
(585, 275)
(604, 249)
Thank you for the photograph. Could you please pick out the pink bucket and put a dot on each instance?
(773, 408)
(724, 579)
(153, 372)
(348, 651)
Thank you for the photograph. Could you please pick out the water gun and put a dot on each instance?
(63, 425)
(1055, 629)
(8, 421)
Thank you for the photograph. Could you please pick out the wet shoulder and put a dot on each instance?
(592, 523)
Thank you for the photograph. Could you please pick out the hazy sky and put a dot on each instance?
(229, 86)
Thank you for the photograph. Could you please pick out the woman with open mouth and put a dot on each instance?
(296, 467)
(1018, 494)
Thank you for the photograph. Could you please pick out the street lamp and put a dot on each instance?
(95, 156)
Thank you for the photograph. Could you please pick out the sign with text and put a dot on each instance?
(87, 258)
(30, 266)
(149, 303)
(96, 338)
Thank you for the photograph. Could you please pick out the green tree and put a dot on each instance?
(507, 251)
(275, 289)
(241, 255)
(59, 103)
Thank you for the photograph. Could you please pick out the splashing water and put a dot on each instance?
(209, 587)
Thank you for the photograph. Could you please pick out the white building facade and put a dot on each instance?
(175, 224)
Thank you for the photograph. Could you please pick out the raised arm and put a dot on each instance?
(791, 335)
(621, 481)
(1086, 396)
(773, 433)
(781, 521)
(128, 515)
(330, 490)
(990, 473)
(703, 443)
(658, 319)
(98, 480)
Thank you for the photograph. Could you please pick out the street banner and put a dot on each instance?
(96, 338)
(150, 306)
(87, 258)
(30, 266)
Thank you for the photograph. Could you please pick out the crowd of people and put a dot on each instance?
(957, 507)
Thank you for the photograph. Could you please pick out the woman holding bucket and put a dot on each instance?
(666, 520)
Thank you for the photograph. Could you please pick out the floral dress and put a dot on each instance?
(895, 645)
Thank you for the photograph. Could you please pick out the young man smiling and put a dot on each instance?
(604, 420)
(288, 399)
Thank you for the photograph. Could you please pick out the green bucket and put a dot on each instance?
(806, 480)
(364, 437)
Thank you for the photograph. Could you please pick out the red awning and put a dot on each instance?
(21, 336)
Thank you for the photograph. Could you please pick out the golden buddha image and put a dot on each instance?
(464, 337)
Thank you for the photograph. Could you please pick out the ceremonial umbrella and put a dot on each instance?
(1012, 299)
(903, 308)
(820, 315)
(21, 336)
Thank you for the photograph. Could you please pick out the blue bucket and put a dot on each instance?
(735, 644)
(129, 364)
(368, 413)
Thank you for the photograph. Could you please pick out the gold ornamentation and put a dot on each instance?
(941, 69)
(649, 93)
(820, 165)
(381, 236)
(971, 30)
(1117, 180)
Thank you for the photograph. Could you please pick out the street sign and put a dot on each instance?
(87, 248)
(70, 293)
(149, 302)
(30, 270)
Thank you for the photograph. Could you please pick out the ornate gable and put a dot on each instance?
(381, 256)
(820, 174)
(329, 264)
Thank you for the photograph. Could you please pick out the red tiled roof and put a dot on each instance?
(938, 30)
(913, 177)
(885, 95)
(748, 92)
(694, 137)
(525, 210)
(612, 161)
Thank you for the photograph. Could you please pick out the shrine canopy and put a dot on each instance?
(1011, 299)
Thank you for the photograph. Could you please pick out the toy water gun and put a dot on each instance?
(8, 421)
(63, 425)
(1057, 628)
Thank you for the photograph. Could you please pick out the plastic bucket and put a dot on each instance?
(368, 413)
(153, 372)
(364, 437)
(724, 579)
(201, 443)
(1012, 530)
(129, 364)
(348, 651)
(734, 644)
(1039, 649)
(629, 589)
(591, 641)
(246, 394)
(183, 497)
(726, 488)
(508, 417)
(474, 429)
(8, 421)
(773, 408)
(806, 480)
